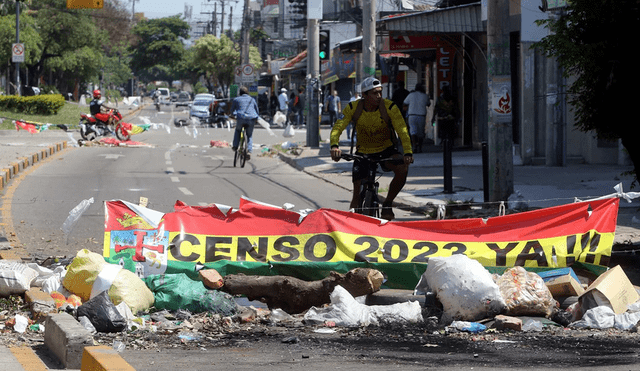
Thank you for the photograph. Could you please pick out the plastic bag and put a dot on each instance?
(525, 293)
(102, 314)
(87, 268)
(464, 287)
(279, 118)
(178, 291)
(289, 131)
(346, 311)
(74, 216)
(15, 278)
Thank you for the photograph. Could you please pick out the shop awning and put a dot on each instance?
(464, 18)
(299, 61)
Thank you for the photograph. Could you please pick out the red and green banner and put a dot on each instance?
(262, 239)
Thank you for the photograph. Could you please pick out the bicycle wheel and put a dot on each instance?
(368, 203)
(237, 156)
(243, 149)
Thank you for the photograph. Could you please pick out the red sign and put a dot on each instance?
(444, 53)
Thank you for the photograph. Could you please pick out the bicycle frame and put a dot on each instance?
(369, 201)
(241, 151)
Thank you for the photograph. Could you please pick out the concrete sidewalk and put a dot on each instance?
(534, 186)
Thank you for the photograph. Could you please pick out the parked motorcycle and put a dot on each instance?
(91, 127)
(219, 118)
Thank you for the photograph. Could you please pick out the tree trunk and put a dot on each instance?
(634, 152)
(294, 295)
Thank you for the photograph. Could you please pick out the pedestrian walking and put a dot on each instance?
(415, 106)
(333, 107)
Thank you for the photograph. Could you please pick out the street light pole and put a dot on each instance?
(18, 89)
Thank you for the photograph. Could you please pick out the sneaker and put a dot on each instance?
(234, 149)
(387, 213)
(248, 156)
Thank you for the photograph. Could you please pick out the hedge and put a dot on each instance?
(48, 104)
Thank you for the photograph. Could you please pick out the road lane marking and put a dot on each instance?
(175, 179)
(185, 191)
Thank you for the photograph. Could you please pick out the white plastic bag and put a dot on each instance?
(464, 287)
(279, 118)
(346, 311)
(289, 132)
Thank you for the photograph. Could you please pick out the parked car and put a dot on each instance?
(200, 108)
(184, 99)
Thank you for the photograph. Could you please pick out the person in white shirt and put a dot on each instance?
(415, 106)
(283, 104)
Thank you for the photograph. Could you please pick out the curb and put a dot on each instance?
(23, 163)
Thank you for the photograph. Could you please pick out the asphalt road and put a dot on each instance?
(172, 163)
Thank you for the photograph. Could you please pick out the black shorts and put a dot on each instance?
(361, 168)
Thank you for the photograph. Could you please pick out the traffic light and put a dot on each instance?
(324, 45)
(85, 4)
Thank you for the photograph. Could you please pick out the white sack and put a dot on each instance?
(464, 287)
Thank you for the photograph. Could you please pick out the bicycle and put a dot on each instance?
(241, 151)
(369, 201)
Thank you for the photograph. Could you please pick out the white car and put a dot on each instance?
(163, 95)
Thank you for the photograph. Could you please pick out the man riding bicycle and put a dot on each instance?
(245, 109)
(376, 122)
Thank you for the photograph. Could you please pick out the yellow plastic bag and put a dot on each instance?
(88, 275)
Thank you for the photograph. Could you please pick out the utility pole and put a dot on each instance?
(214, 20)
(314, 14)
(313, 82)
(18, 88)
(369, 38)
(246, 28)
(500, 130)
(133, 10)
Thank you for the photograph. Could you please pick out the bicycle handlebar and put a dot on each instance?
(375, 159)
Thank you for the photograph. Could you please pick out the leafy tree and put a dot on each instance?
(29, 35)
(72, 44)
(217, 58)
(591, 42)
(158, 47)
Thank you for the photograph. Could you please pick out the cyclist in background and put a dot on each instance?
(376, 122)
(245, 109)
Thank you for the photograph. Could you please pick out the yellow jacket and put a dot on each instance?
(373, 134)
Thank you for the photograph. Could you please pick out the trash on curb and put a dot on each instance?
(178, 291)
(613, 289)
(464, 287)
(88, 274)
(525, 293)
(346, 311)
(15, 278)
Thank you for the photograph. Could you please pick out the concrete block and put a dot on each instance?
(103, 358)
(40, 303)
(66, 338)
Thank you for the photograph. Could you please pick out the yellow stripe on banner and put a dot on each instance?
(590, 247)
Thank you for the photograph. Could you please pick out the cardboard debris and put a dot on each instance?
(564, 286)
(612, 288)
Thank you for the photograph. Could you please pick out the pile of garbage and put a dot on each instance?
(457, 293)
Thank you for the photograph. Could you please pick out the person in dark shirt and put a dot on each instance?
(96, 107)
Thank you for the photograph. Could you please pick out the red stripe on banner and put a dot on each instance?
(254, 218)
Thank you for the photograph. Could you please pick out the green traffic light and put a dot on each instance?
(323, 55)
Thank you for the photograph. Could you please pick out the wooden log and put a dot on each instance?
(294, 295)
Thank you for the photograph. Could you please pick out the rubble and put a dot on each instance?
(344, 316)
